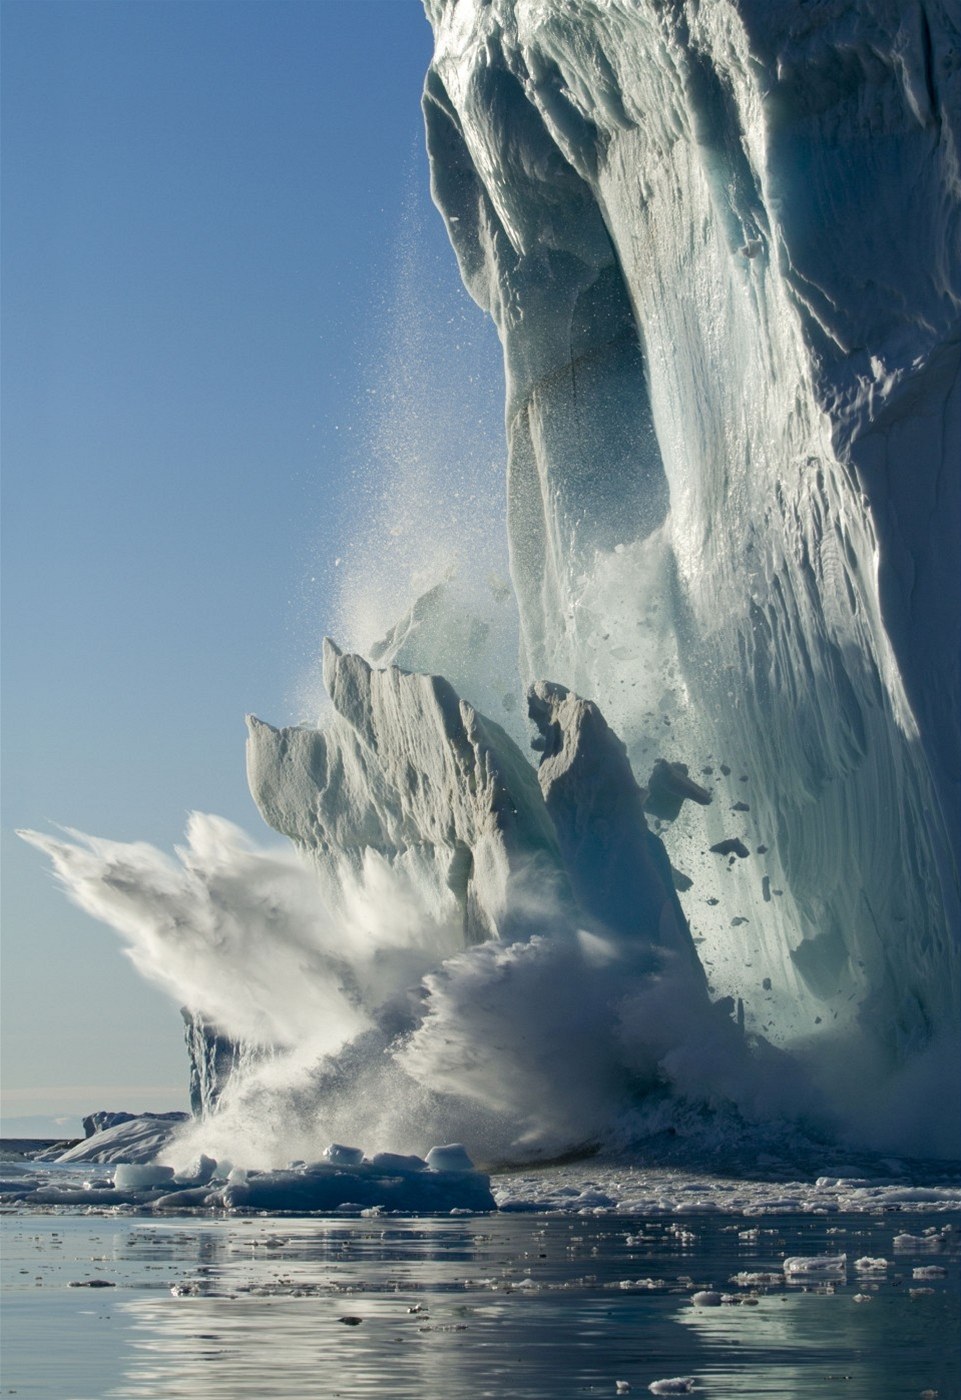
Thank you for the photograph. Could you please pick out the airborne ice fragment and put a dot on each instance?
(731, 846)
(669, 787)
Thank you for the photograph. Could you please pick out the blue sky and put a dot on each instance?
(205, 208)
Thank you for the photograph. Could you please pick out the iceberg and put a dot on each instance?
(720, 247)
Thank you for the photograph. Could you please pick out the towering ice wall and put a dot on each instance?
(719, 239)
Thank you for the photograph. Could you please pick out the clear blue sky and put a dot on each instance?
(202, 205)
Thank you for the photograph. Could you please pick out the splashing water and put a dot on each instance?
(427, 499)
(520, 1048)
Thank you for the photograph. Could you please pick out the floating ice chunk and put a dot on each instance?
(408, 1187)
(135, 1177)
(928, 1271)
(397, 1162)
(451, 1158)
(904, 1241)
(815, 1265)
(674, 1385)
(706, 1298)
(867, 1265)
(198, 1172)
(341, 1156)
(190, 1198)
(139, 1138)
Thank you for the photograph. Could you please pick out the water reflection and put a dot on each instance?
(497, 1306)
(535, 1307)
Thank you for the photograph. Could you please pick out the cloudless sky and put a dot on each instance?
(201, 205)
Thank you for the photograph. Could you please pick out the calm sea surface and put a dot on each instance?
(501, 1306)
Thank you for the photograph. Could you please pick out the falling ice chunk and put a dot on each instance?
(732, 846)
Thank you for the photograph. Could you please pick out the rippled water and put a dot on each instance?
(502, 1306)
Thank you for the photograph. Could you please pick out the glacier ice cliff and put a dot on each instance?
(719, 242)
(720, 245)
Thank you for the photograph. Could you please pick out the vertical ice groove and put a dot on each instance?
(720, 245)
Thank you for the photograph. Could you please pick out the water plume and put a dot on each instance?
(365, 1029)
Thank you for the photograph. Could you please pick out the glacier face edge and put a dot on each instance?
(648, 201)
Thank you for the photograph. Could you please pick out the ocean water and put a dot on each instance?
(526, 1303)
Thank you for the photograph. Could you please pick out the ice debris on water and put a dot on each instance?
(815, 1265)
(674, 1385)
(340, 1156)
(343, 1180)
(931, 1239)
(450, 1158)
(129, 1176)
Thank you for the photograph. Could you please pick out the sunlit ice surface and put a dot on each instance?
(563, 1302)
